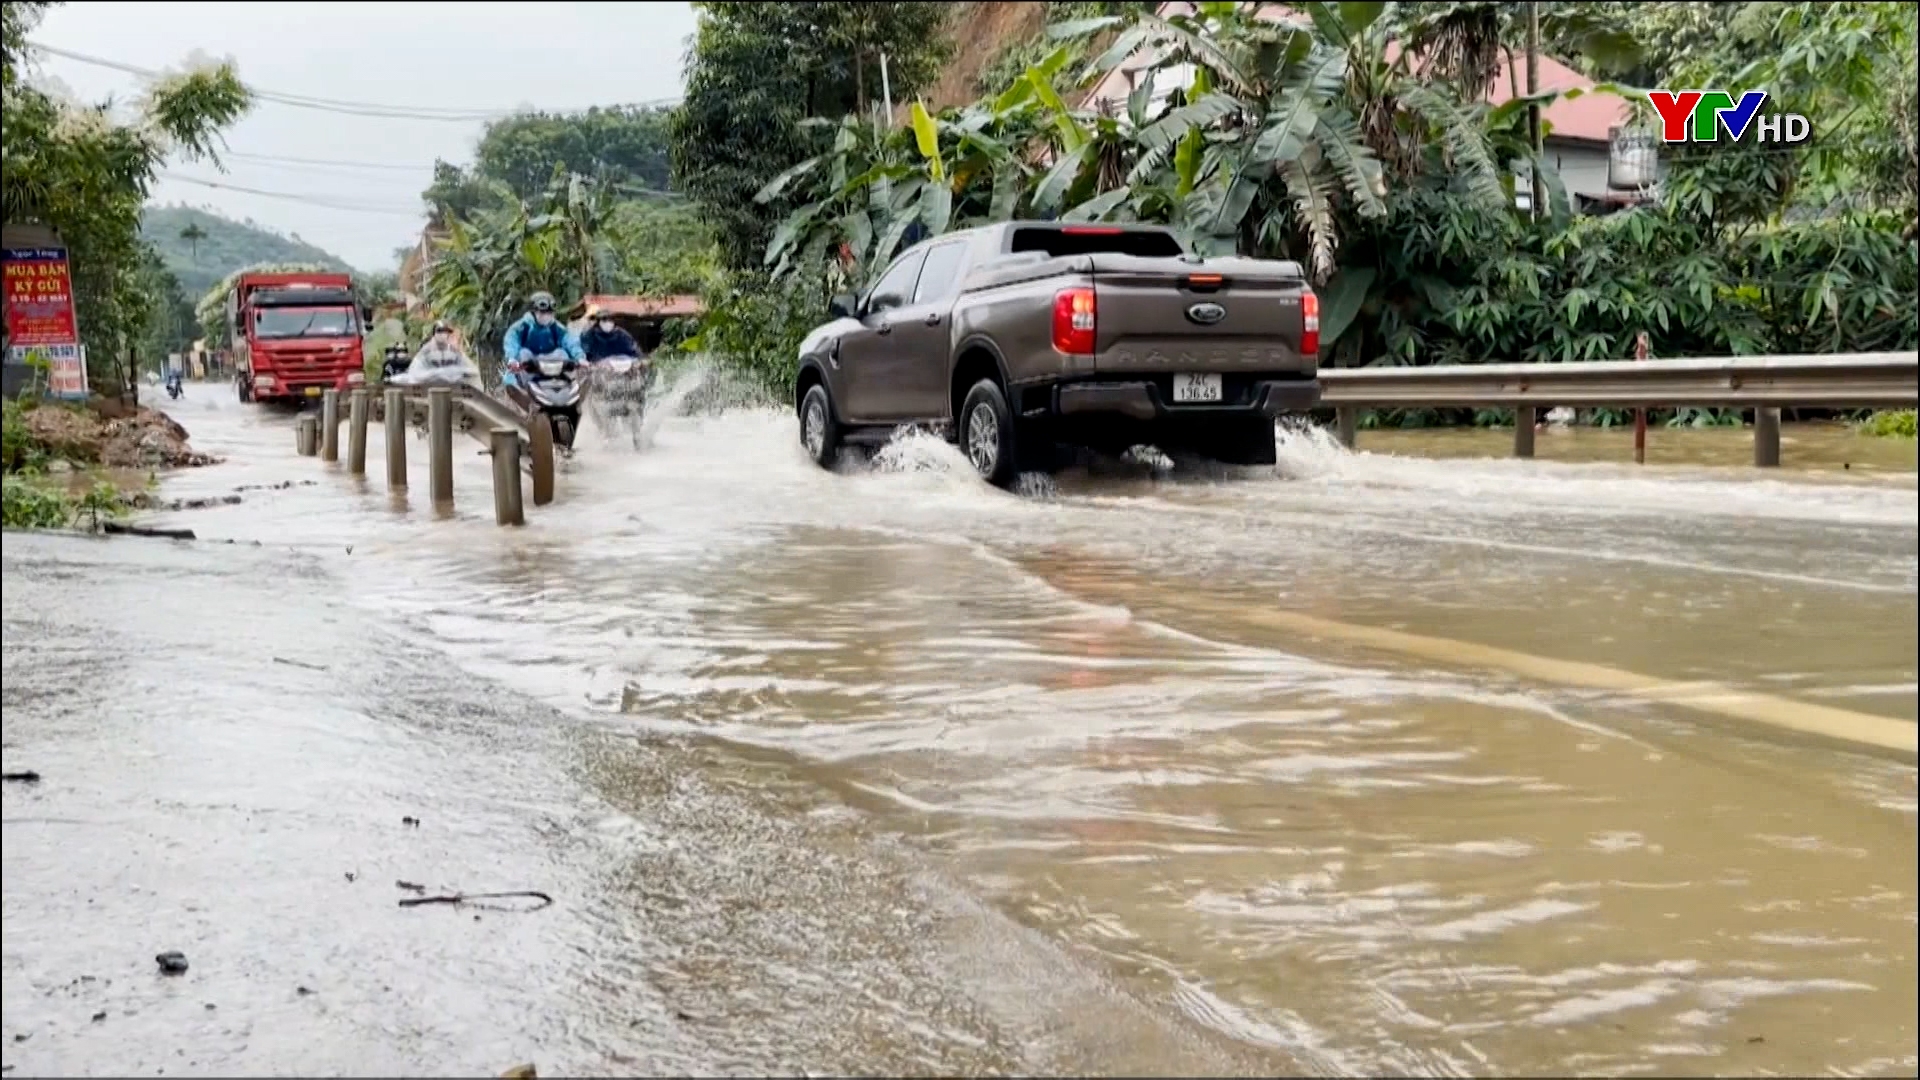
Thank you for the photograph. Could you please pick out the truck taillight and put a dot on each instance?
(1309, 324)
(1075, 316)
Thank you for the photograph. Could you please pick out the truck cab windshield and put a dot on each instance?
(282, 323)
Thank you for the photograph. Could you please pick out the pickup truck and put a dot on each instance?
(1025, 338)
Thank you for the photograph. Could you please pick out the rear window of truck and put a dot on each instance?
(1096, 240)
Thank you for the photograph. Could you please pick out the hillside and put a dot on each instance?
(226, 246)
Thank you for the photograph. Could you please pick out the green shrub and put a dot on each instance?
(1891, 424)
(28, 505)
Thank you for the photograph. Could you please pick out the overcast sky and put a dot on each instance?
(478, 57)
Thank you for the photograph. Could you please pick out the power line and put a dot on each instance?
(276, 159)
(310, 200)
(349, 108)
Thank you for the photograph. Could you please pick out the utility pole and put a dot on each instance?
(1539, 194)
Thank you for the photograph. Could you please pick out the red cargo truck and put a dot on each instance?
(294, 335)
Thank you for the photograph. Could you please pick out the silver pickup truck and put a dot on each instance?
(1024, 338)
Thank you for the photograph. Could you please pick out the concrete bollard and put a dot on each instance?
(357, 431)
(507, 507)
(330, 426)
(395, 424)
(1766, 438)
(306, 435)
(440, 443)
(1524, 418)
(1346, 424)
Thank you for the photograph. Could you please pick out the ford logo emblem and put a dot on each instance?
(1206, 314)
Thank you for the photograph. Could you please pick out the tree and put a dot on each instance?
(756, 71)
(1392, 180)
(193, 234)
(77, 171)
(458, 193)
(625, 147)
(486, 267)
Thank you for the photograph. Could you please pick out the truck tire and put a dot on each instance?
(819, 431)
(1241, 441)
(985, 431)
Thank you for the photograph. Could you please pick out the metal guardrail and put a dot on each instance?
(1762, 383)
(515, 446)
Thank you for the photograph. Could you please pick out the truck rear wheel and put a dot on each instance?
(986, 434)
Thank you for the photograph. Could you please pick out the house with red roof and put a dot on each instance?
(1588, 138)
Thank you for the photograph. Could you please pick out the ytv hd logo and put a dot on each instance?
(1701, 115)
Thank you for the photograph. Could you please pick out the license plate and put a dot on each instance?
(313, 391)
(1189, 388)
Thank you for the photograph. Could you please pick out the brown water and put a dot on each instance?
(1284, 771)
(1818, 450)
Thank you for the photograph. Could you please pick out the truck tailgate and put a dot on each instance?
(1218, 315)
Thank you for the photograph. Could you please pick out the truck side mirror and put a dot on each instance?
(843, 306)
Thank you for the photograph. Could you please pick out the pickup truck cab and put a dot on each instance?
(1022, 338)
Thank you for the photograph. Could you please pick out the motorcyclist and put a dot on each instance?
(537, 335)
(439, 353)
(604, 338)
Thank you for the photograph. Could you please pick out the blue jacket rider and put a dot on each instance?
(537, 334)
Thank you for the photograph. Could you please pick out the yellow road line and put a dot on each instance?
(1863, 729)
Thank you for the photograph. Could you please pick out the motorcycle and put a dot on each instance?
(551, 388)
(174, 385)
(620, 387)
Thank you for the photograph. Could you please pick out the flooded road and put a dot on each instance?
(1380, 765)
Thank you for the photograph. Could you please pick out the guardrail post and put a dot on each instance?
(1346, 425)
(306, 435)
(1524, 418)
(1640, 415)
(395, 423)
(1766, 438)
(540, 432)
(357, 431)
(440, 442)
(330, 426)
(507, 507)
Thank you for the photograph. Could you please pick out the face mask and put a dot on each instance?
(544, 318)
(606, 326)
(441, 339)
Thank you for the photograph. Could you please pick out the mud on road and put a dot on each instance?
(230, 775)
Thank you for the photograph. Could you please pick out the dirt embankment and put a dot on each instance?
(117, 437)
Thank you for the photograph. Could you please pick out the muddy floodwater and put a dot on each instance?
(1412, 761)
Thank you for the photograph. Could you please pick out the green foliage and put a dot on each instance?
(521, 155)
(486, 268)
(1893, 424)
(32, 505)
(35, 503)
(626, 147)
(757, 71)
(82, 173)
(18, 450)
(756, 325)
(1307, 141)
(218, 246)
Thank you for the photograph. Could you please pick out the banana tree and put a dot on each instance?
(873, 188)
(487, 265)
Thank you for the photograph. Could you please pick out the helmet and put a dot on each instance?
(442, 326)
(595, 311)
(541, 301)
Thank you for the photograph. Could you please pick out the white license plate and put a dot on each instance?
(1189, 388)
